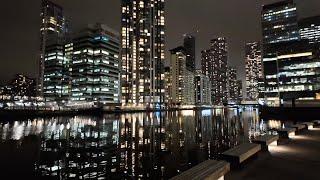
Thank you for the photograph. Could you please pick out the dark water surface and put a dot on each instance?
(128, 146)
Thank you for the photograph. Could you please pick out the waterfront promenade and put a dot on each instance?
(299, 158)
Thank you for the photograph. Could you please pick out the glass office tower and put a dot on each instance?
(299, 71)
(279, 28)
(279, 22)
(189, 44)
(52, 31)
(56, 82)
(95, 66)
(310, 29)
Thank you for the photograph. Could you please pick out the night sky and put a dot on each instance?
(238, 20)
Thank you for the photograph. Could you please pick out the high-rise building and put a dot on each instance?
(56, 81)
(188, 88)
(279, 22)
(52, 28)
(95, 66)
(240, 91)
(296, 74)
(232, 83)
(234, 86)
(254, 70)
(143, 52)
(189, 43)
(168, 86)
(279, 29)
(310, 29)
(214, 64)
(182, 90)
(203, 89)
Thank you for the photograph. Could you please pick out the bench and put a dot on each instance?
(209, 169)
(286, 132)
(308, 125)
(239, 154)
(266, 140)
(298, 127)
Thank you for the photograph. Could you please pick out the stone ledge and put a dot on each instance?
(286, 132)
(298, 126)
(242, 152)
(266, 140)
(209, 169)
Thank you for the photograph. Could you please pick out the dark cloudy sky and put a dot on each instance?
(238, 20)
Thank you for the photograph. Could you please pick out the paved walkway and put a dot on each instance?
(299, 158)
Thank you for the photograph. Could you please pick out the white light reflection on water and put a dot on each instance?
(133, 144)
(5, 130)
(50, 127)
(206, 112)
(252, 122)
(274, 124)
(18, 130)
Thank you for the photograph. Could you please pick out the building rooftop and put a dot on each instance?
(277, 4)
(178, 49)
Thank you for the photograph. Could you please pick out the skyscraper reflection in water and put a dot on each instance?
(140, 145)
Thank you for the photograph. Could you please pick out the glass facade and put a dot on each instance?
(279, 22)
(56, 86)
(189, 43)
(281, 36)
(95, 67)
(310, 29)
(299, 72)
(294, 72)
(52, 31)
(290, 59)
